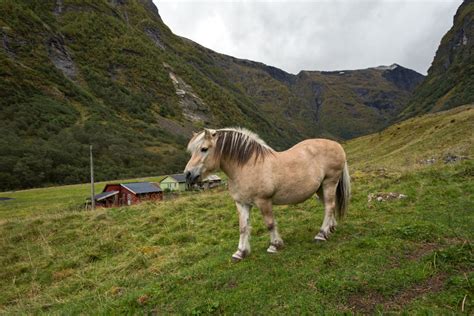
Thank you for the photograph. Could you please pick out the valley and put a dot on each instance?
(411, 255)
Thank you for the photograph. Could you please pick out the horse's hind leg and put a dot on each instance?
(266, 208)
(327, 194)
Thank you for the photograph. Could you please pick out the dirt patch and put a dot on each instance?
(431, 285)
(366, 303)
(421, 251)
(232, 284)
(413, 255)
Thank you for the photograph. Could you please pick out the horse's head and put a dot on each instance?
(204, 160)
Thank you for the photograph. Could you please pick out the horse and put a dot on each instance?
(261, 176)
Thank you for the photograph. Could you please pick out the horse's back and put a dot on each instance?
(321, 149)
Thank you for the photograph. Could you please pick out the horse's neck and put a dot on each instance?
(229, 168)
(234, 171)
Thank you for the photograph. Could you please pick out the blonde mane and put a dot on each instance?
(237, 144)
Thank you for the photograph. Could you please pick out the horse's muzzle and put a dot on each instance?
(191, 178)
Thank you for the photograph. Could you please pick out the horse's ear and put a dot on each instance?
(209, 133)
(194, 134)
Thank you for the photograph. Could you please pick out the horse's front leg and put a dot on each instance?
(244, 224)
(266, 208)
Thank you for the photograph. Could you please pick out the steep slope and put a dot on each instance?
(435, 138)
(450, 80)
(111, 74)
(76, 73)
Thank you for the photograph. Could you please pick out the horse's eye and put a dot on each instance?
(204, 149)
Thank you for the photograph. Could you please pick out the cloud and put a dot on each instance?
(316, 35)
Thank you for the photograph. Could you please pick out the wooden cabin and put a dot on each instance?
(118, 194)
(174, 182)
(210, 182)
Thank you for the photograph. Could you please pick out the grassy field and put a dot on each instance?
(412, 255)
(48, 201)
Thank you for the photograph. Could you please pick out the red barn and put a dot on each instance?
(117, 194)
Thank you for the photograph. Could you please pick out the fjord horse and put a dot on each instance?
(261, 176)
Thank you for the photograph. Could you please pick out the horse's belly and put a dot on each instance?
(293, 196)
(298, 185)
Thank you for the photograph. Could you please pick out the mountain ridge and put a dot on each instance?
(112, 74)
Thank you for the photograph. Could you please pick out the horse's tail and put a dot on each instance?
(343, 192)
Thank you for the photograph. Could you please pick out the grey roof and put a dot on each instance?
(105, 195)
(212, 177)
(142, 187)
(180, 177)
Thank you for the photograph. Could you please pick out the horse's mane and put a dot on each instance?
(236, 144)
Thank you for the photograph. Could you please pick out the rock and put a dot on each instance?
(428, 161)
(60, 57)
(59, 7)
(155, 36)
(194, 108)
(6, 45)
(402, 77)
(449, 158)
(382, 196)
(10, 42)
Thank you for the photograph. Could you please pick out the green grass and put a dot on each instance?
(412, 256)
(405, 145)
(47, 201)
(174, 257)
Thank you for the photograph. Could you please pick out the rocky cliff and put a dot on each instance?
(450, 80)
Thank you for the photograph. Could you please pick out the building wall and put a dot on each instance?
(172, 184)
(127, 197)
(151, 197)
(112, 187)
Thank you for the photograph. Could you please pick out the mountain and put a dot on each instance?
(112, 74)
(333, 104)
(450, 80)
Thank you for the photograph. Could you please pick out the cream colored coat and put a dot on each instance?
(265, 177)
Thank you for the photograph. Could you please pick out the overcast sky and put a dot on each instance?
(318, 34)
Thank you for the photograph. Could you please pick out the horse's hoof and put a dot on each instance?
(319, 239)
(239, 255)
(272, 249)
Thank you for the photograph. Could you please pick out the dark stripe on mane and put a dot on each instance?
(239, 147)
